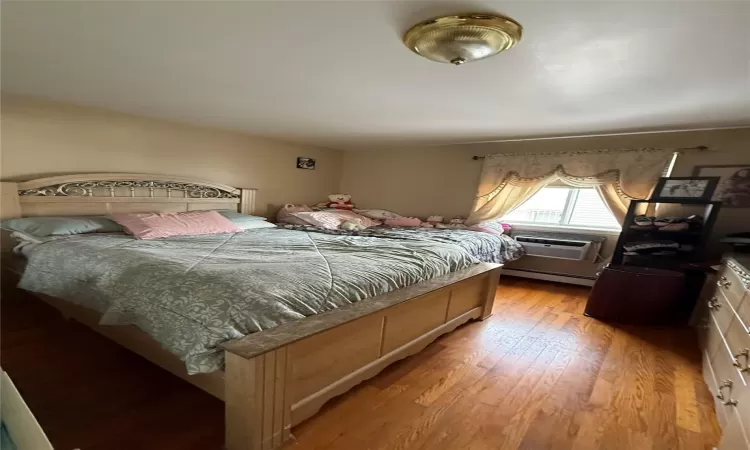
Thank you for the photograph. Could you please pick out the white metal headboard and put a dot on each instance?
(106, 193)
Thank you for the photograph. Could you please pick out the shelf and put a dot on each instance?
(696, 237)
(664, 233)
(662, 262)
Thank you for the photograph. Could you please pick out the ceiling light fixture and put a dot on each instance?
(462, 38)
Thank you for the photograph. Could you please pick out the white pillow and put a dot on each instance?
(254, 224)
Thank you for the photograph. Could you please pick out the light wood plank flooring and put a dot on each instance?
(536, 375)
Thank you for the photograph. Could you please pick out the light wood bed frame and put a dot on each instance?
(276, 378)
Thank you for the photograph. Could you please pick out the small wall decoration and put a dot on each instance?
(305, 163)
(685, 188)
(734, 183)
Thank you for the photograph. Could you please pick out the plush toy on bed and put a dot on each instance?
(457, 222)
(352, 225)
(436, 221)
(338, 201)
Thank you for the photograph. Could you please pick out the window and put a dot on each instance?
(670, 165)
(558, 205)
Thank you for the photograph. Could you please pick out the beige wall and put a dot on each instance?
(418, 182)
(41, 138)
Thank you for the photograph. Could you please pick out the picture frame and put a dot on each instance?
(733, 189)
(306, 163)
(686, 189)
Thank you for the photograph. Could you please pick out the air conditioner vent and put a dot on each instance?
(555, 247)
(552, 241)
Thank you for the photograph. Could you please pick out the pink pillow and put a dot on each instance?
(285, 214)
(492, 227)
(351, 215)
(333, 219)
(378, 214)
(403, 222)
(159, 225)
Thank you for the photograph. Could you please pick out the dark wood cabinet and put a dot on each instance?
(636, 295)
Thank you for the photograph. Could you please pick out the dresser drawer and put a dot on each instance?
(729, 384)
(731, 285)
(713, 339)
(725, 338)
(743, 409)
(734, 434)
(744, 311)
(713, 385)
(738, 341)
(719, 306)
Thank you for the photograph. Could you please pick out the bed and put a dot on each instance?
(294, 354)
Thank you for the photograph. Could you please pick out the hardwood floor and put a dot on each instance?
(536, 375)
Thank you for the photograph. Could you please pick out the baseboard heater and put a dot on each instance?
(548, 276)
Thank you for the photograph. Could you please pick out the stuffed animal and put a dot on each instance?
(457, 222)
(352, 225)
(434, 220)
(437, 221)
(339, 201)
(285, 214)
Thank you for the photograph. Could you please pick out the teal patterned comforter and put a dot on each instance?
(191, 293)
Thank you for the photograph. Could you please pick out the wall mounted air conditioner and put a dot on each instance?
(550, 247)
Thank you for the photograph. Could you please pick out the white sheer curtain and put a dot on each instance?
(508, 180)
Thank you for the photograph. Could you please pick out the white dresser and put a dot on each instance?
(726, 351)
(24, 433)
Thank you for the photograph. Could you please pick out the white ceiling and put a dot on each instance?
(336, 74)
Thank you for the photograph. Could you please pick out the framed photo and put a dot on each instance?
(685, 189)
(305, 163)
(734, 183)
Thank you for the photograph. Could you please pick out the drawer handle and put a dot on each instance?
(745, 353)
(720, 395)
(714, 303)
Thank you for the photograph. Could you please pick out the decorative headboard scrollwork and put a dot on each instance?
(106, 193)
(86, 188)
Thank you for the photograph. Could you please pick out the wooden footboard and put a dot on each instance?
(278, 378)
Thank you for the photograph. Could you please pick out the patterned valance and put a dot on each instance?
(508, 179)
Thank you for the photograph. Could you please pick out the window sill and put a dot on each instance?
(563, 228)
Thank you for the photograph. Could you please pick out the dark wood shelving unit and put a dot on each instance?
(698, 238)
(647, 289)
